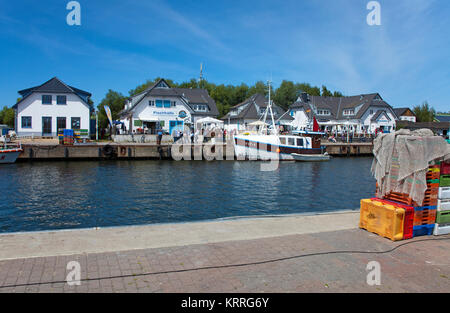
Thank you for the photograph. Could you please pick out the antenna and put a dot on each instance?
(201, 73)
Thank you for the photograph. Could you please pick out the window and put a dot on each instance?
(46, 99)
(283, 141)
(151, 103)
(262, 110)
(174, 103)
(323, 112)
(291, 141)
(167, 103)
(349, 112)
(61, 99)
(26, 121)
(46, 125)
(60, 123)
(300, 142)
(159, 103)
(291, 113)
(371, 112)
(75, 123)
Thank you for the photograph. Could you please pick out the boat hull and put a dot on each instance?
(311, 157)
(258, 147)
(9, 156)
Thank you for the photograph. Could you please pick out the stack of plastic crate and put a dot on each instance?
(419, 219)
(442, 226)
(68, 137)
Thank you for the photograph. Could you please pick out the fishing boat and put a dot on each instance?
(268, 144)
(9, 152)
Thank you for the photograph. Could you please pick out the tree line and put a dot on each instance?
(225, 96)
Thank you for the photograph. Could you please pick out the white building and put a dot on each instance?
(405, 114)
(252, 110)
(163, 107)
(362, 114)
(51, 106)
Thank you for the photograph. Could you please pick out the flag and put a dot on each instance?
(108, 114)
(315, 125)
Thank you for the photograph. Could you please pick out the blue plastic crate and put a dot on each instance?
(423, 230)
(421, 208)
(68, 132)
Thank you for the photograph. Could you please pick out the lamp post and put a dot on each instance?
(96, 125)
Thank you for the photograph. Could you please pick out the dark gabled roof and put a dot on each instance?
(250, 109)
(442, 118)
(191, 96)
(400, 111)
(54, 85)
(337, 105)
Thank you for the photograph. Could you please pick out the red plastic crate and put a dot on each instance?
(433, 175)
(445, 168)
(408, 224)
(425, 215)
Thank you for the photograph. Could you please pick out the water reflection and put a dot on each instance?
(42, 196)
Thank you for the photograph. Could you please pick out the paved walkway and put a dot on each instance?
(419, 266)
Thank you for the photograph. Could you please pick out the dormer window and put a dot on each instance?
(323, 112)
(151, 103)
(349, 112)
(262, 111)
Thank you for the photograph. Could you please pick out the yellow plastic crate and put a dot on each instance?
(382, 219)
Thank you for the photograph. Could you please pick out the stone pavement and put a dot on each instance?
(419, 266)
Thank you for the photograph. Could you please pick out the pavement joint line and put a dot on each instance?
(445, 237)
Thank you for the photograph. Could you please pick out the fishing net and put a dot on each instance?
(402, 158)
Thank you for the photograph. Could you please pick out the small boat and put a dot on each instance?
(310, 157)
(9, 152)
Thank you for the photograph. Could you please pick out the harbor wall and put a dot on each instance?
(97, 151)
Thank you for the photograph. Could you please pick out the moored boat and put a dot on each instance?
(311, 157)
(268, 144)
(9, 152)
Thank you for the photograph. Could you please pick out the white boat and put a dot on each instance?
(9, 152)
(267, 144)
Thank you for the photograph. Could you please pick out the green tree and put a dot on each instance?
(424, 113)
(116, 102)
(259, 87)
(326, 92)
(7, 116)
(286, 94)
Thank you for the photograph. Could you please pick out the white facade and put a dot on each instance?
(173, 114)
(386, 121)
(408, 118)
(31, 109)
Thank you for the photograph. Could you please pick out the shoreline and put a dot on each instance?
(125, 238)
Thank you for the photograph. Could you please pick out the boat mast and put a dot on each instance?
(269, 107)
(271, 112)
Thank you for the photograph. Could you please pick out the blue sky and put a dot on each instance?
(121, 44)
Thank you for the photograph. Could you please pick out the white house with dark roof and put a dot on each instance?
(357, 114)
(251, 110)
(405, 114)
(163, 107)
(53, 105)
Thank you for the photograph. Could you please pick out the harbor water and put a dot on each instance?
(65, 195)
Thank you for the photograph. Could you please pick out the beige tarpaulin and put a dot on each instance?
(402, 159)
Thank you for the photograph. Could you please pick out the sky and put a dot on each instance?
(122, 43)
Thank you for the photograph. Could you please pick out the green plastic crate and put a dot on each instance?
(445, 181)
(443, 217)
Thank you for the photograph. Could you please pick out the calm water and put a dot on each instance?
(43, 196)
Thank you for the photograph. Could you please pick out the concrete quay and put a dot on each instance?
(127, 151)
(320, 253)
